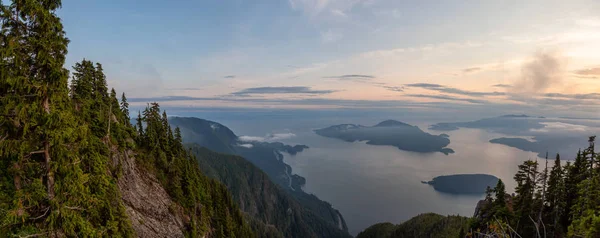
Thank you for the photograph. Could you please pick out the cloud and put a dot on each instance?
(542, 72)
(450, 98)
(246, 145)
(588, 72)
(394, 88)
(352, 77)
(471, 70)
(268, 137)
(594, 96)
(184, 89)
(424, 85)
(502, 85)
(280, 90)
(444, 89)
(560, 126)
(330, 36)
(339, 13)
(229, 77)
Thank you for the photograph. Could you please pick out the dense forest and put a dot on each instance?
(562, 200)
(60, 143)
(424, 225)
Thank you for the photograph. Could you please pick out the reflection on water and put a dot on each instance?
(371, 184)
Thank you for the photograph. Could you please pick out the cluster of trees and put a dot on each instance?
(60, 143)
(424, 225)
(561, 201)
(206, 201)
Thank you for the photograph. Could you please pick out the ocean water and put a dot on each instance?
(371, 184)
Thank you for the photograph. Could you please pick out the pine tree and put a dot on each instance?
(46, 185)
(525, 199)
(125, 108)
(555, 199)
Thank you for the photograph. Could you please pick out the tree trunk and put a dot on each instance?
(49, 173)
(17, 182)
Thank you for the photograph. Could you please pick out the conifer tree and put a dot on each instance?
(125, 108)
(555, 198)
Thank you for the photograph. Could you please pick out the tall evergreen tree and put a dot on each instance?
(555, 199)
(525, 199)
(125, 107)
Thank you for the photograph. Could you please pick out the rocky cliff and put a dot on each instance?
(150, 209)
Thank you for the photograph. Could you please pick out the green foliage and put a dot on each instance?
(59, 145)
(379, 230)
(424, 225)
(55, 172)
(178, 171)
(563, 202)
(267, 205)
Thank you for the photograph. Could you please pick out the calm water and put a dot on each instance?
(371, 184)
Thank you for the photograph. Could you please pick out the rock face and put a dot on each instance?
(146, 202)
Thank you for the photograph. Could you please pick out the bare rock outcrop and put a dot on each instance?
(148, 206)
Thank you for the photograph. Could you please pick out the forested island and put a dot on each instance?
(390, 132)
(556, 200)
(463, 183)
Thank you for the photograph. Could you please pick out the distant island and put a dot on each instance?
(390, 132)
(463, 183)
(548, 135)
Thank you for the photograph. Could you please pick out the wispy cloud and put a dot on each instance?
(588, 72)
(471, 70)
(184, 89)
(444, 89)
(268, 137)
(330, 36)
(229, 77)
(545, 70)
(338, 13)
(394, 88)
(280, 90)
(594, 96)
(449, 98)
(502, 85)
(352, 76)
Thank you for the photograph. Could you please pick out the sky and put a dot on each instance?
(513, 56)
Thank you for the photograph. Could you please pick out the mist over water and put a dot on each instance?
(371, 184)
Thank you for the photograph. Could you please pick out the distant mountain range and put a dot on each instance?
(273, 198)
(530, 133)
(390, 132)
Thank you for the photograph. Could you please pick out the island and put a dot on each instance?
(390, 132)
(463, 184)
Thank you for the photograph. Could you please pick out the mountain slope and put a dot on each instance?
(424, 225)
(265, 202)
(70, 163)
(266, 156)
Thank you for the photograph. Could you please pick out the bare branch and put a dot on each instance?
(513, 230)
(536, 227)
(33, 235)
(46, 212)
(74, 208)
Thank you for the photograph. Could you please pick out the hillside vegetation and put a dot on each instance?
(63, 147)
(267, 204)
(424, 225)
